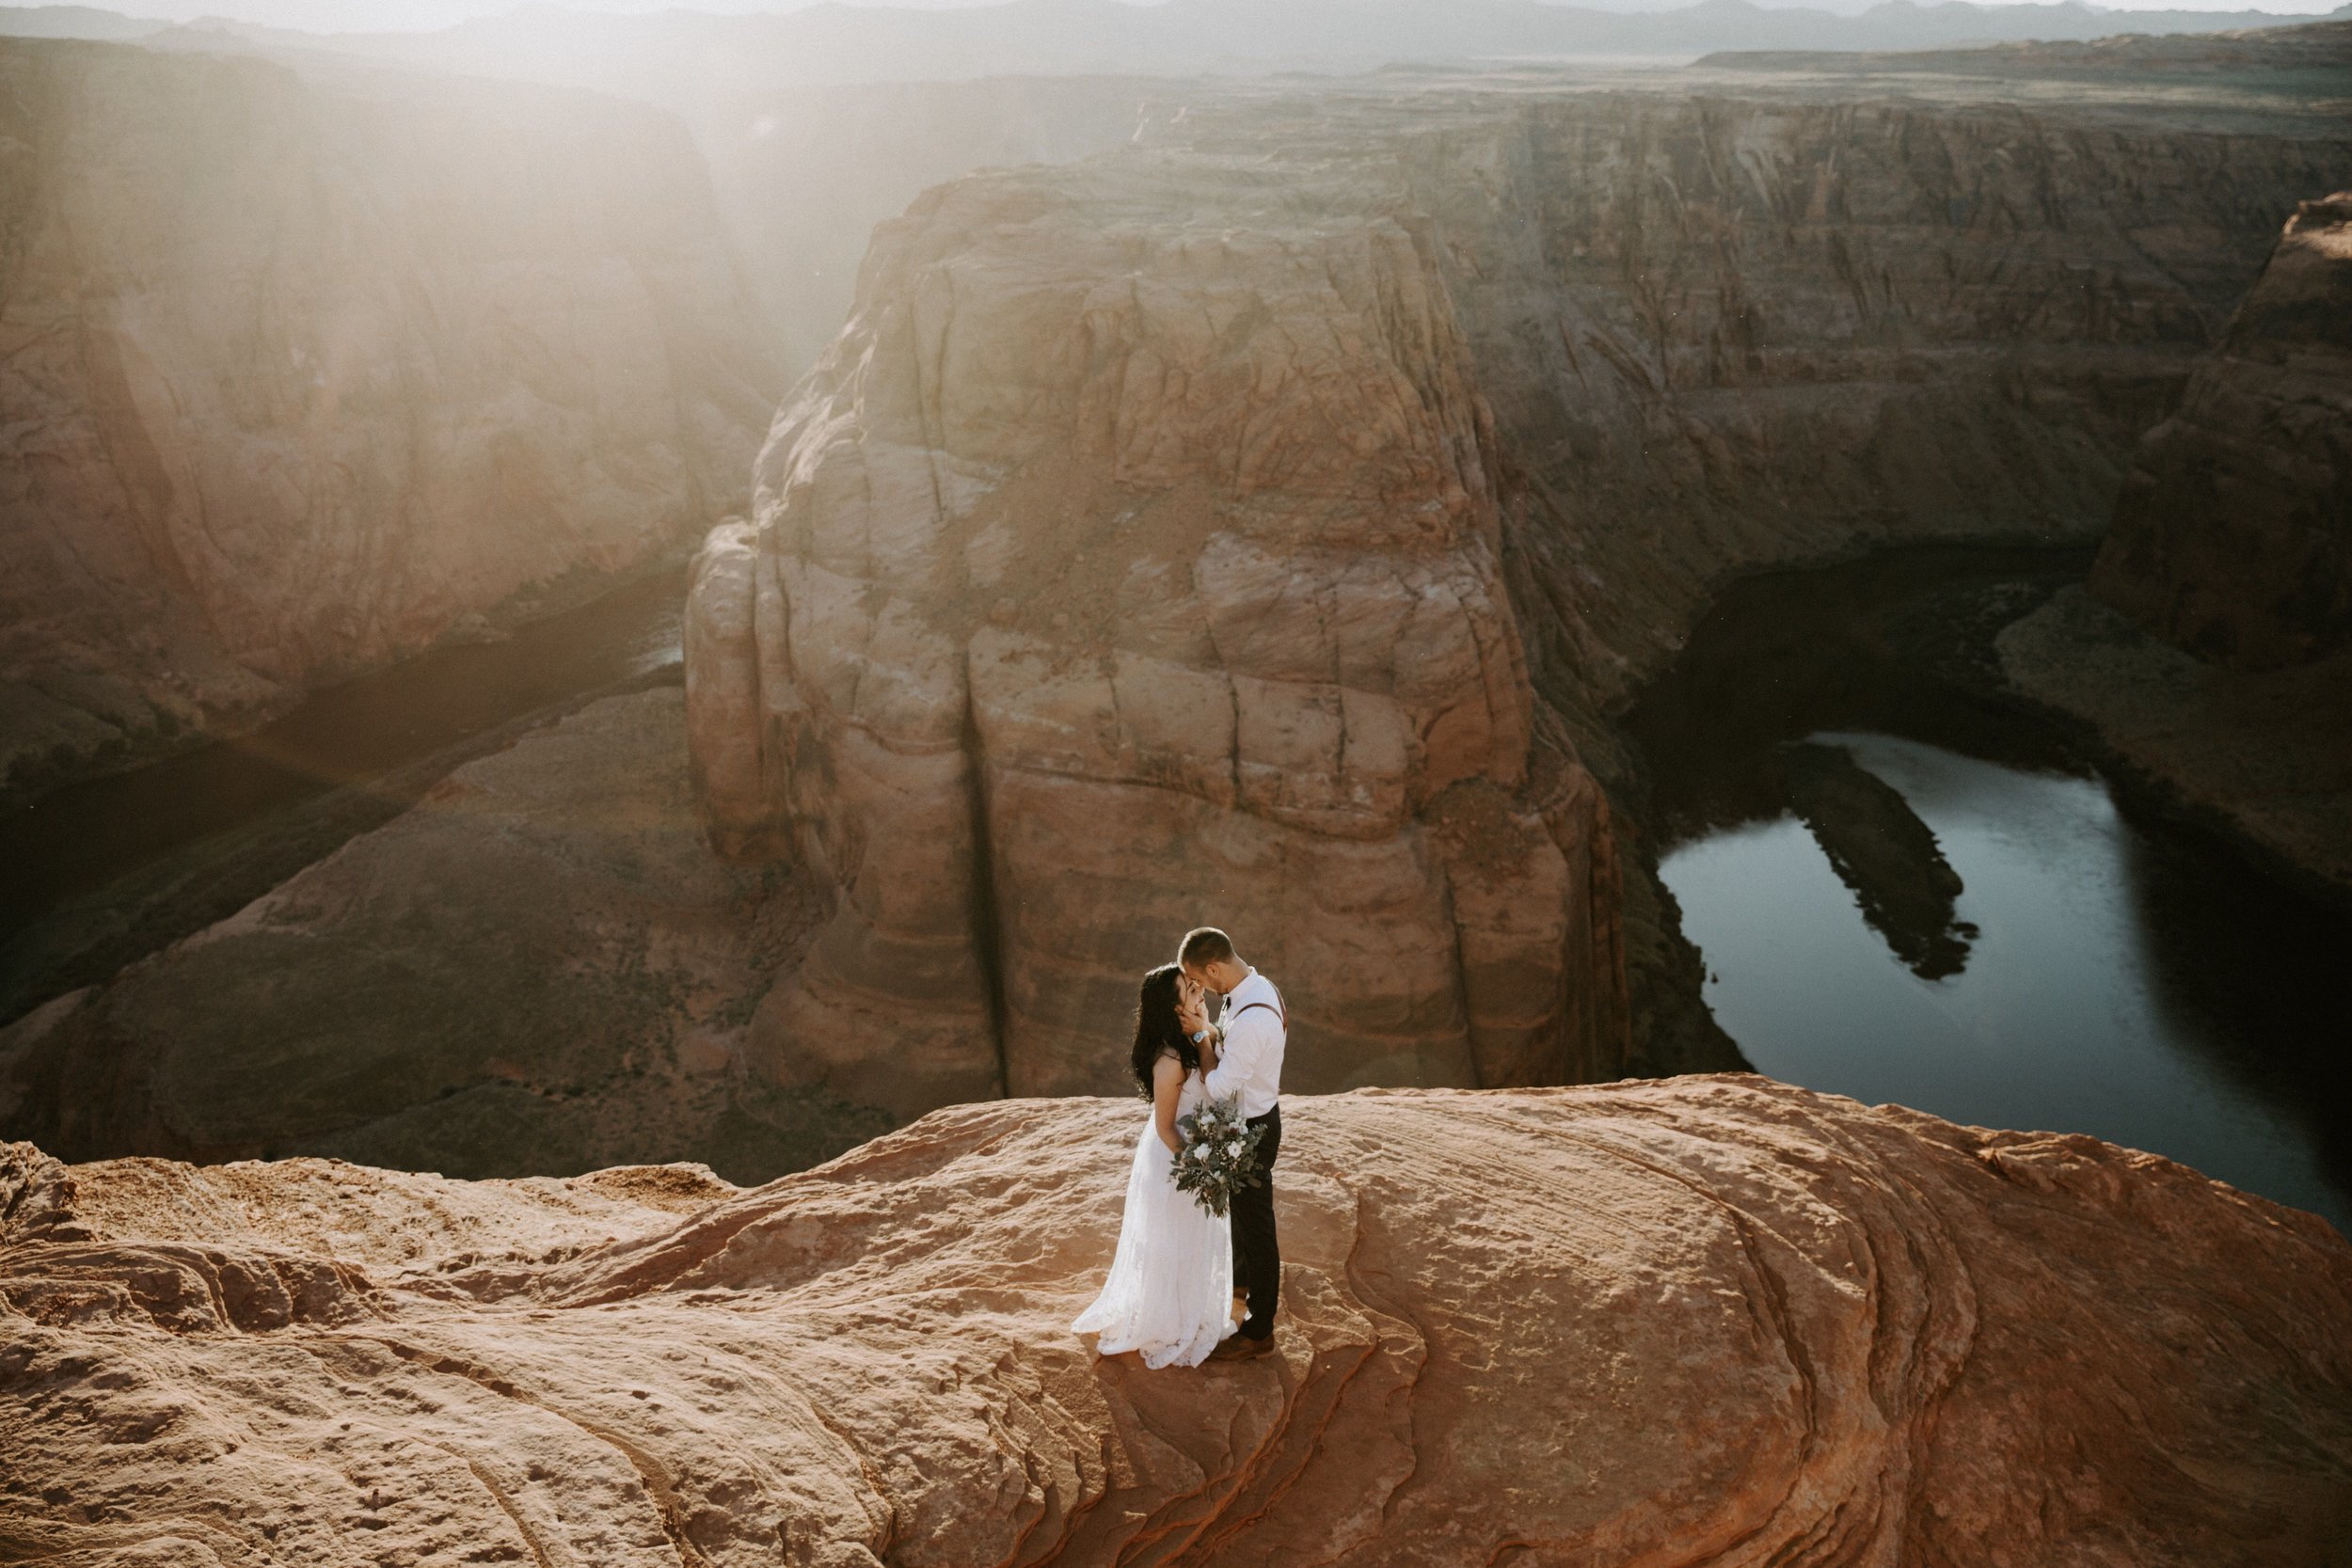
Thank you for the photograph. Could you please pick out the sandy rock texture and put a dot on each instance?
(1124, 568)
(1719, 1322)
(539, 968)
(302, 374)
(2232, 534)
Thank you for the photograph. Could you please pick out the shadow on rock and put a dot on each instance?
(538, 969)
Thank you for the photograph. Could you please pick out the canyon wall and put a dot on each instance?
(1260, 526)
(2232, 532)
(537, 969)
(1715, 1321)
(1124, 568)
(1724, 336)
(304, 373)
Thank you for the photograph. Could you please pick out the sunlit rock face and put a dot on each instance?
(1221, 530)
(301, 374)
(1711, 1320)
(1126, 567)
(2233, 535)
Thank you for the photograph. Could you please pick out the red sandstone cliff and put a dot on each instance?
(1240, 528)
(303, 373)
(1719, 1321)
(1119, 569)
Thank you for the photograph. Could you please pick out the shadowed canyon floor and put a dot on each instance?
(2118, 971)
(539, 968)
(1721, 1321)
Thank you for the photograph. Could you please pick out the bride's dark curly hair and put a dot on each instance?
(1156, 1028)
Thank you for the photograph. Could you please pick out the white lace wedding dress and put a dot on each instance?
(1171, 1292)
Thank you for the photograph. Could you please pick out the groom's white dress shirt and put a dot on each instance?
(1251, 1060)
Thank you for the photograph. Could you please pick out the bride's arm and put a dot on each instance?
(1167, 1087)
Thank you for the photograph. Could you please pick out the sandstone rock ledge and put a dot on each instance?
(1715, 1321)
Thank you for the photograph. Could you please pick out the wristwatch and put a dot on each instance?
(1203, 1033)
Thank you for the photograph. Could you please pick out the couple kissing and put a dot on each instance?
(1192, 1279)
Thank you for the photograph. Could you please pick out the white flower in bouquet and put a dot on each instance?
(1219, 1154)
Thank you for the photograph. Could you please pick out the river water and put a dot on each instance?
(2118, 976)
(2122, 976)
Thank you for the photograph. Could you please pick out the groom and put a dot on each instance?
(1249, 1063)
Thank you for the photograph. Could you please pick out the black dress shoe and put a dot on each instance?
(1240, 1347)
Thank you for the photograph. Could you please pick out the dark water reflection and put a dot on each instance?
(2128, 978)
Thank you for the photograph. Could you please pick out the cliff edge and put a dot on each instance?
(2233, 535)
(1718, 1321)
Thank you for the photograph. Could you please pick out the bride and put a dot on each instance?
(1170, 1291)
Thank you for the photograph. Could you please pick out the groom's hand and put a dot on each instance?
(1190, 1012)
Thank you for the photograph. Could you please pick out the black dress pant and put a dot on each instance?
(1257, 1258)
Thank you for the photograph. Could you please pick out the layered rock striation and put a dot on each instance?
(1722, 336)
(303, 373)
(1720, 1321)
(1122, 569)
(1260, 525)
(2232, 532)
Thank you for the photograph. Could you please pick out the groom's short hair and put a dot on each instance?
(1205, 945)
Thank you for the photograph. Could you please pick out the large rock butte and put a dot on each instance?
(1116, 574)
(2232, 534)
(1719, 1322)
(303, 373)
(1258, 526)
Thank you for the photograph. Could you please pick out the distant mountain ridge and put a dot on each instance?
(2321, 46)
(837, 43)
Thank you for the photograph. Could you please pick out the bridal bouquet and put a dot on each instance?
(1219, 1156)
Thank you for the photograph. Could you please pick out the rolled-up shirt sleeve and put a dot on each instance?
(1240, 1062)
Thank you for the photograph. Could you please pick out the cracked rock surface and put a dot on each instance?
(1714, 1321)
(1111, 578)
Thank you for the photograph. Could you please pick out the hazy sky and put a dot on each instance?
(388, 15)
